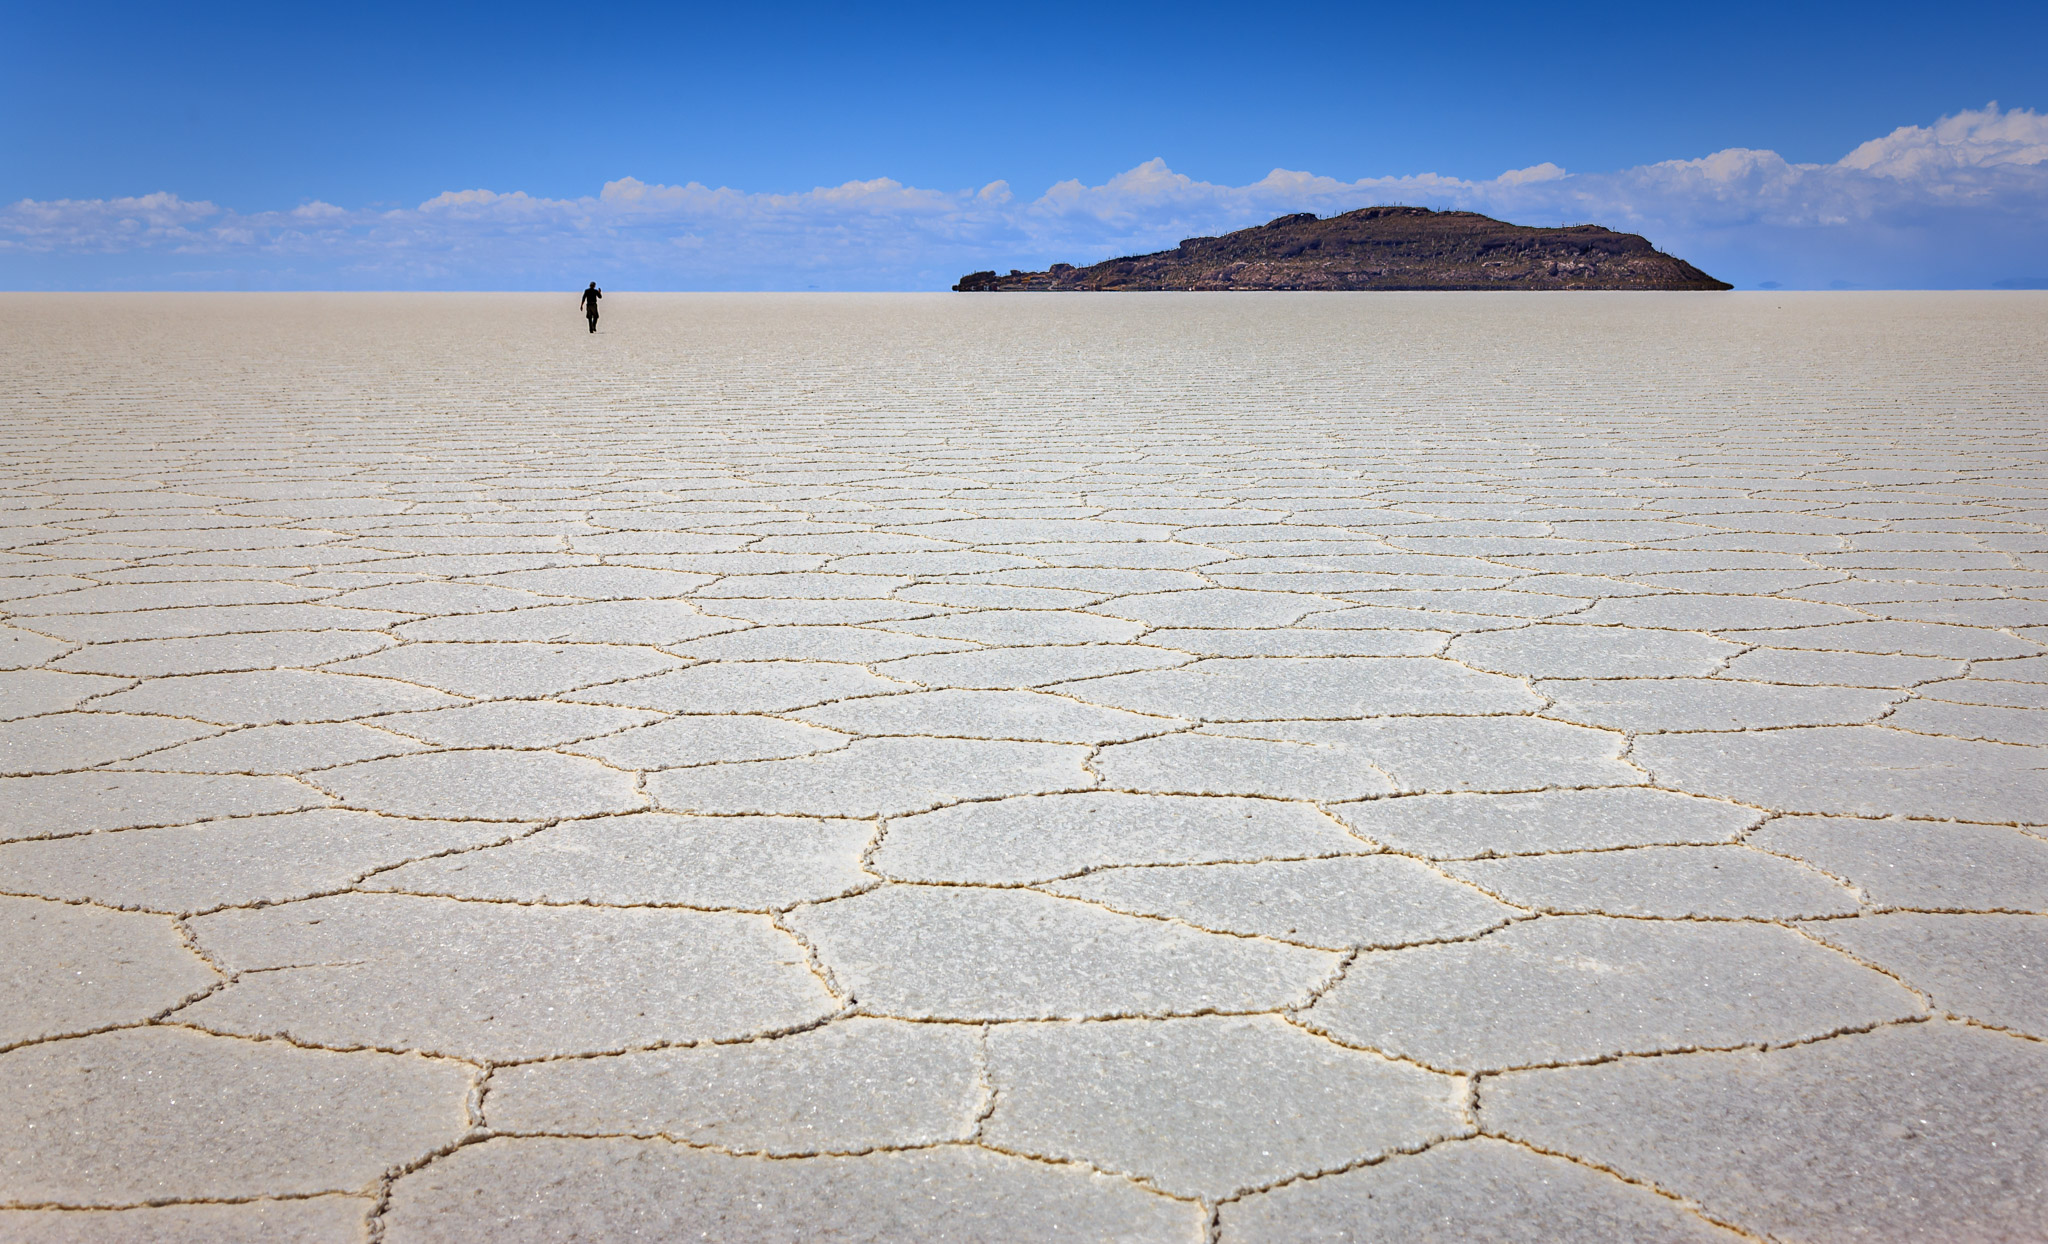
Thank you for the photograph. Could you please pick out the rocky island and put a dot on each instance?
(1379, 248)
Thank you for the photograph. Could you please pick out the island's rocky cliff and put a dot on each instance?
(1379, 248)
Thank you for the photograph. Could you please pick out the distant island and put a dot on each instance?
(1378, 248)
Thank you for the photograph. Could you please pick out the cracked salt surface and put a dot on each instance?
(1248, 769)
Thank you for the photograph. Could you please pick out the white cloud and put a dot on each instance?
(104, 224)
(1545, 171)
(1986, 139)
(1961, 201)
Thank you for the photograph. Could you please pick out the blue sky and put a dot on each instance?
(679, 146)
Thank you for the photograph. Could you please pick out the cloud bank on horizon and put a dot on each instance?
(1959, 203)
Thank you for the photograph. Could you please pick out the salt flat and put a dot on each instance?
(1180, 767)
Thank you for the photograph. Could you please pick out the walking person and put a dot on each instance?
(590, 297)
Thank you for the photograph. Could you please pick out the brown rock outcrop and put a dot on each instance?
(1379, 248)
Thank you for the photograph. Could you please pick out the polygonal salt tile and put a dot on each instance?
(2000, 613)
(162, 1112)
(680, 742)
(1024, 627)
(928, 563)
(208, 620)
(66, 741)
(858, 645)
(1188, 510)
(771, 611)
(1555, 650)
(1977, 691)
(452, 547)
(1365, 574)
(276, 749)
(499, 981)
(1464, 753)
(604, 582)
(598, 622)
(487, 785)
(1029, 716)
(1707, 571)
(1374, 619)
(823, 586)
(1847, 669)
(1501, 546)
(1462, 826)
(998, 596)
(511, 669)
(744, 687)
(1298, 642)
(437, 599)
(1103, 579)
(932, 560)
(30, 693)
(748, 564)
(1371, 900)
(956, 952)
(1209, 1106)
(1688, 612)
(1205, 764)
(1156, 555)
(654, 542)
(130, 597)
(222, 654)
(851, 1086)
(520, 1190)
(980, 531)
(1263, 688)
(1038, 838)
(1523, 601)
(23, 587)
(255, 859)
(1227, 607)
(1922, 1131)
(311, 1220)
(1983, 967)
(1697, 883)
(1469, 1190)
(1568, 989)
(1005, 668)
(73, 969)
(1918, 863)
(1875, 596)
(2017, 669)
(1653, 704)
(1856, 771)
(851, 543)
(1973, 721)
(654, 858)
(265, 697)
(515, 723)
(1919, 639)
(874, 777)
(77, 803)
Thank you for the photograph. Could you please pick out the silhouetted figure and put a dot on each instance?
(590, 297)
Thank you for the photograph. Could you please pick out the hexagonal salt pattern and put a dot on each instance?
(1208, 1106)
(544, 1188)
(168, 1114)
(1580, 988)
(1480, 1189)
(1928, 1131)
(983, 770)
(851, 1086)
(500, 981)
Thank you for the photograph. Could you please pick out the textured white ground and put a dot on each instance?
(1146, 767)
